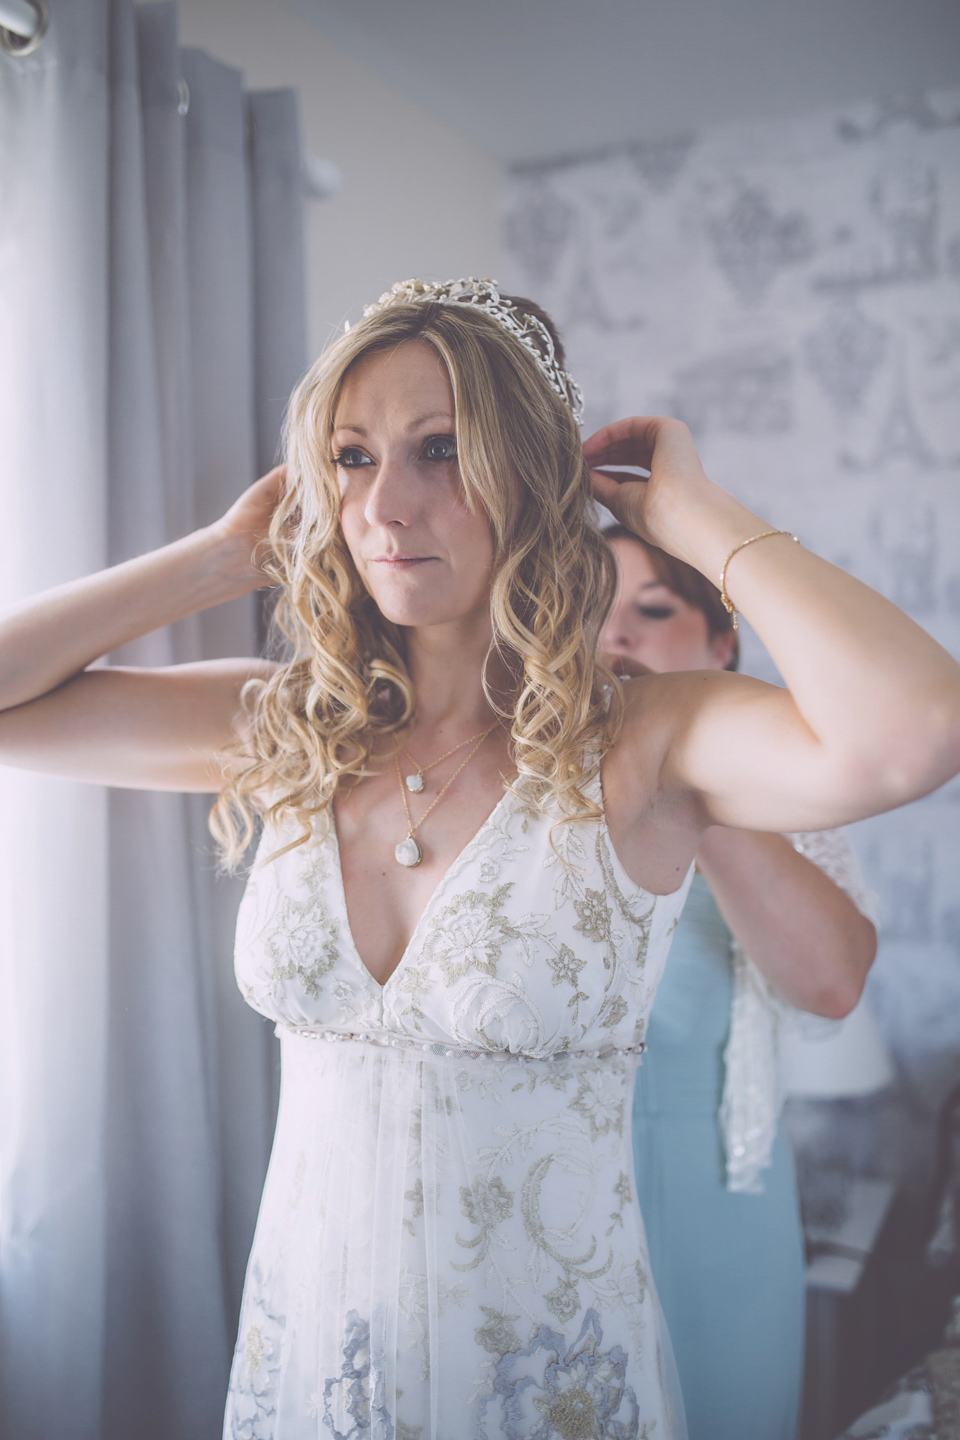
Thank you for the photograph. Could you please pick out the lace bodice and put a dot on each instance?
(525, 947)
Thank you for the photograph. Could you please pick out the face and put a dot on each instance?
(422, 554)
(650, 624)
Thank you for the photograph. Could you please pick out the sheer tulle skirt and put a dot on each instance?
(450, 1247)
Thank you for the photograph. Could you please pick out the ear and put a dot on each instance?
(722, 647)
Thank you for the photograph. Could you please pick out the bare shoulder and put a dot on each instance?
(656, 708)
(664, 707)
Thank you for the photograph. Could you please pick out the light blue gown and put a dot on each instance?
(728, 1267)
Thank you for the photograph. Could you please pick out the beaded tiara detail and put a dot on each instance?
(483, 295)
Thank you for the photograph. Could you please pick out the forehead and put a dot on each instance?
(635, 565)
(404, 381)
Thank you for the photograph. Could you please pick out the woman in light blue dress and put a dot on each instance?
(714, 1174)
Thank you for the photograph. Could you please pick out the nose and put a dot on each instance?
(390, 499)
(618, 637)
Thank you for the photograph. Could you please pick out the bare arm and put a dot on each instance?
(870, 718)
(159, 729)
(799, 928)
(123, 726)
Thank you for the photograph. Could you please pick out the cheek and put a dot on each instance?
(667, 644)
(350, 518)
(689, 642)
(352, 526)
(470, 536)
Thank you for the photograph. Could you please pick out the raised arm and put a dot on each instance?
(159, 728)
(870, 718)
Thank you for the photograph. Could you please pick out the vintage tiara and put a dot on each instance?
(483, 295)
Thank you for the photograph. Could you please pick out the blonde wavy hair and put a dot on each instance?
(343, 684)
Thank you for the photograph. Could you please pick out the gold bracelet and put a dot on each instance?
(764, 535)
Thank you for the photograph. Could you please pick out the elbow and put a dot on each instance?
(922, 759)
(836, 1000)
(843, 982)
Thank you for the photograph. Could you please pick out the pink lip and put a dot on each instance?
(401, 562)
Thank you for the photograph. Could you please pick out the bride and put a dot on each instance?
(475, 849)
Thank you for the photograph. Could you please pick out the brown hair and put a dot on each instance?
(689, 584)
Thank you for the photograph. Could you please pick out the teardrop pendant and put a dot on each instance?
(408, 853)
(414, 784)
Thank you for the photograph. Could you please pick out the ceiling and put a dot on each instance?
(540, 79)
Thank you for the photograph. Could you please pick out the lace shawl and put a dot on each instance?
(752, 1092)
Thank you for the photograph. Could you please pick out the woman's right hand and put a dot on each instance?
(246, 525)
(121, 725)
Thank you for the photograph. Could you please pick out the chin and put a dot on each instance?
(416, 611)
(418, 601)
(415, 618)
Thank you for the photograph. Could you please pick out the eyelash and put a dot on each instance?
(655, 612)
(340, 459)
(444, 440)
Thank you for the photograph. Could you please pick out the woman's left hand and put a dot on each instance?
(662, 446)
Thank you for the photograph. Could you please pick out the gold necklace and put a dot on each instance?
(414, 783)
(408, 851)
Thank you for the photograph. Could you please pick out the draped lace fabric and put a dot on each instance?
(752, 1098)
(449, 1243)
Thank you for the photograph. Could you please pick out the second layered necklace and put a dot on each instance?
(408, 851)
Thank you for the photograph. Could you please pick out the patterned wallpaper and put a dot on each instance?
(792, 290)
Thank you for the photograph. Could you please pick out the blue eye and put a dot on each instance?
(440, 448)
(351, 458)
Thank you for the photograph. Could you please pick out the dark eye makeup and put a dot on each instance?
(439, 449)
(656, 612)
(351, 457)
(436, 450)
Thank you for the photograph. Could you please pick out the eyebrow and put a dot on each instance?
(421, 420)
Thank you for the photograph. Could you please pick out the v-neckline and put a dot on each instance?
(431, 900)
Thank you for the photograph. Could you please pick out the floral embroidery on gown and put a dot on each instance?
(449, 1242)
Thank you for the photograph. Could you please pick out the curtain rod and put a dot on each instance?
(23, 24)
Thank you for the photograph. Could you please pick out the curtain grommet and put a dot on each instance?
(16, 45)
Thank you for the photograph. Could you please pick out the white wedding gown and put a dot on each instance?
(449, 1243)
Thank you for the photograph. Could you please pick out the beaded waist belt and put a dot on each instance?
(450, 1052)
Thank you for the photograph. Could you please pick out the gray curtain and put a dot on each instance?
(175, 206)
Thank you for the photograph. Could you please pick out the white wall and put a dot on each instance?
(418, 199)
